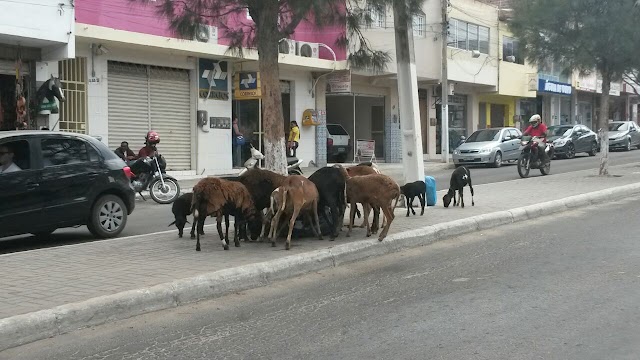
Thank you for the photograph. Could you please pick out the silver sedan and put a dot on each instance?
(490, 147)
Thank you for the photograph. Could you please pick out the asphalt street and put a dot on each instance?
(150, 217)
(563, 287)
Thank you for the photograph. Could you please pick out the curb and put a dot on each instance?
(22, 329)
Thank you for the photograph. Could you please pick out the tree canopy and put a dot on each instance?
(584, 35)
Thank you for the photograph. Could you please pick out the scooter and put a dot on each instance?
(293, 163)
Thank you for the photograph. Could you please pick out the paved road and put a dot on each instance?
(554, 288)
(150, 217)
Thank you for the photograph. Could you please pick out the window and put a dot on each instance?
(467, 36)
(377, 15)
(14, 156)
(63, 152)
(73, 112)
(511, 50)
(419, 25)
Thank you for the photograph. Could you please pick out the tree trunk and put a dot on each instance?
(603, 124)
(412, 155)
(272, 116)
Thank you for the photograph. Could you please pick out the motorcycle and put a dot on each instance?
(530, 159)
(293, 163)
(149, 173)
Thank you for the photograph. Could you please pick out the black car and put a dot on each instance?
(61, 180)
(571, 139)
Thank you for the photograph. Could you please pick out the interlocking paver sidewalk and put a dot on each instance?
(42, 279)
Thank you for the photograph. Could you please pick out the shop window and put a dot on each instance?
(511, 50)
(16, 152)
(73, 112)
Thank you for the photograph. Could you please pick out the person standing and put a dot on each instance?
(237, 141)
(294, 139)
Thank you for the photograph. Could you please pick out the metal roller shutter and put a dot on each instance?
(171, 114)
(128, 97)
(8, 67)
(145, 97)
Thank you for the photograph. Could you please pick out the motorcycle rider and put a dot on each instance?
(539, 132)
(150, 140)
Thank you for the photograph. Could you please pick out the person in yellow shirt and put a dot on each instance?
(294, 139)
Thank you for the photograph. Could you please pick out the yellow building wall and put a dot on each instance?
(515, 78)
(508, 101)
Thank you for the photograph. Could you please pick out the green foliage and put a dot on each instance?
(580, 34)
(351, 15)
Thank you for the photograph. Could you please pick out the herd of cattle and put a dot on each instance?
(259, 199)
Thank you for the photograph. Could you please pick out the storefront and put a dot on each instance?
(10, 89)
(555, 100)
(457, 122)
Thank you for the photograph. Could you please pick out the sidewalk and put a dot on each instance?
(393, 170)
(43, 279)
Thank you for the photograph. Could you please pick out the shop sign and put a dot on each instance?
(213, 80)
(554, 87)
(247, 85)
(339, 82)
(310, 117)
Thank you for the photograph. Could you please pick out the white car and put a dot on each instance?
(339, 143)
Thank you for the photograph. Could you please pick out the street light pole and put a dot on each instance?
(444, 114)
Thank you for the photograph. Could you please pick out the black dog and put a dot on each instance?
(459, 178)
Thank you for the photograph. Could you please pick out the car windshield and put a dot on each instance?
(334, 129)
(618, 127)
(484, 135)
(559, 130)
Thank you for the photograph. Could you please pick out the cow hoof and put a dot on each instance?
(381, 238)
(193, 236)
(180, 236)
(287, 247)
(273, 244)
(237, 244)
(226, 247)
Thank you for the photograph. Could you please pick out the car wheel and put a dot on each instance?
(497, 162)
(594, 149)
(108, 217)
(628, 148)
(571, 152)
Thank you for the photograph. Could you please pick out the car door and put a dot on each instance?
(21, 198)
(514, 144)
(635, 134)
(578, 139)
(68, 176)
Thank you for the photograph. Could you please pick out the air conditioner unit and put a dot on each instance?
(207, 34)
(511, 58)
(287, 46)
(307, 49)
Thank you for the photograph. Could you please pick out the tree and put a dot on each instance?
(273, 20)
(584, 35)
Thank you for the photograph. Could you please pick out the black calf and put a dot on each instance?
(459, 178)
(410, 191)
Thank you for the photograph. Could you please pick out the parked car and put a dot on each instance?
(571, 139)
(491, 147)
(623, 135)
(339, 143)
(64, 180)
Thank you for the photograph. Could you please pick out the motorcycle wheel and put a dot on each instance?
(524, 165)
(167, 195)
(546, 169)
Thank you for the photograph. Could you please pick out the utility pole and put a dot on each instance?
(408, 103)
(444, 134)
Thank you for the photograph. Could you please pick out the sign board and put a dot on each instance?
(220, 122)
(532, 82)
(247, 85)
(365, 149)
(554, 87)
(339, 82)
(310, 117)
(212, 81)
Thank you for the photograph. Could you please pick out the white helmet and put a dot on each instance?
(535, 118)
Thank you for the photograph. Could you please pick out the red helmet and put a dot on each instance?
(152, 137)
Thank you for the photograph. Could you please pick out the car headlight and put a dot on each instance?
(456, 152)
(485, 150)
(560, 142)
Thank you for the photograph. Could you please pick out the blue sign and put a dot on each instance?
(213, 82)
(554, 87)
(248, 80)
